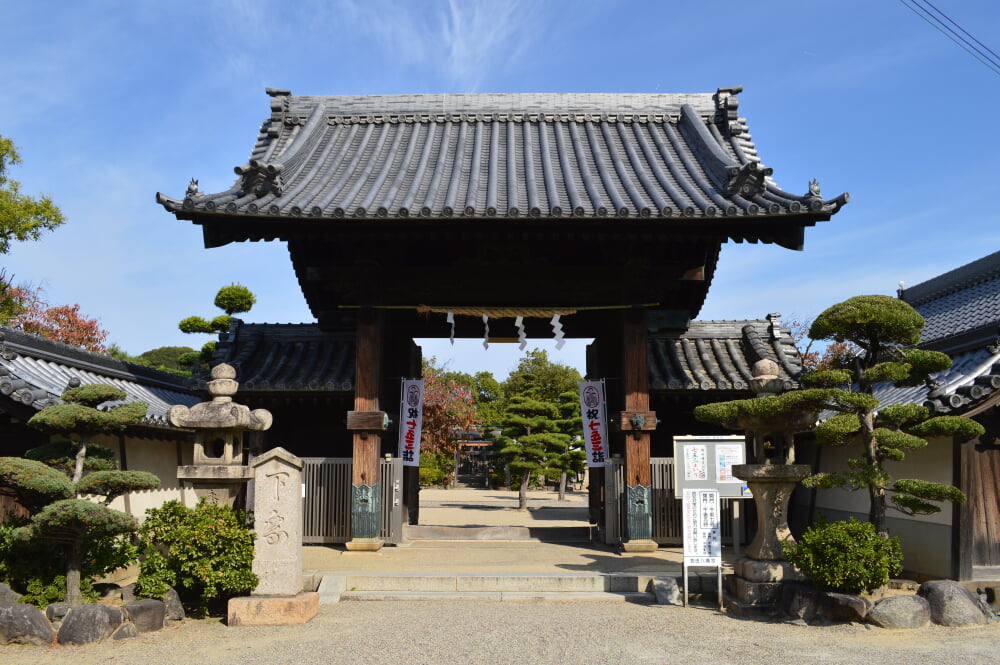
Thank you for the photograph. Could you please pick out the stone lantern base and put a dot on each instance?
(760, 572)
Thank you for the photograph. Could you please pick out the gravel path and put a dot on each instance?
(529, 633)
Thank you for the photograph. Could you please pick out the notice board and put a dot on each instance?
(706, 462)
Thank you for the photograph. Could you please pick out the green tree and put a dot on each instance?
(22, 217)
(540, 419)
(232, 299)
(59, 513)
(884, 329)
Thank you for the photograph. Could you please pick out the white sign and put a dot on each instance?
(695, 462)
(595, 421)
(702, 528)
(411, 421)
(725, 457)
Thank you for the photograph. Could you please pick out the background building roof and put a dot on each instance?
(719, 355)
(35, 371)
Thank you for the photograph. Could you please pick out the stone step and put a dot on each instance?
(631, 587)
(501, 596)
(560, 534)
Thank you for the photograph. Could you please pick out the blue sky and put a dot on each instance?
(112, 101)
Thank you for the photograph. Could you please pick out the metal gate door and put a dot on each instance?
(327, 510)
(666, 508)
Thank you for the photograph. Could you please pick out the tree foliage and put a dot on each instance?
(22, 217)
(25, 308)
(232, 299)
(882, 327)
(541, 422)
(59, 513)
(449, 413)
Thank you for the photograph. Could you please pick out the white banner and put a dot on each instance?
(595, 421)
(411, 420)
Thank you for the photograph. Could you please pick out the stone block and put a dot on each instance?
(667, 591)
(24, 624)
(172, 601)
(57, 611)
(273, 610)
(766, 571)
(757, 593)
(147, 614)
(125, 631)
(90, 623)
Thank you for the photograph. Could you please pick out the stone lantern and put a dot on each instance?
(218, 471)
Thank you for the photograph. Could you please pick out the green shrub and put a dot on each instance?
(847, 557)
(205, 553)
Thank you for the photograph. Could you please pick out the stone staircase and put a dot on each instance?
(551, 534)
(623, 587)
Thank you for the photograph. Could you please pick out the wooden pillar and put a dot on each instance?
(366, 422)
(636, 422)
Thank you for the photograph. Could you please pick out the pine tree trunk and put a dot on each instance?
(562, 485)
(876, 493)
(522, 494)
(81, 454)
(73, 564)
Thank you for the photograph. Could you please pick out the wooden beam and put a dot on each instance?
(367, 374)
(636, 383)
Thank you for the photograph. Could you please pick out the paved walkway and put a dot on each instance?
(480, 507)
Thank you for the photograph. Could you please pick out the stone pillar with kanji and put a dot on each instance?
(277, 516)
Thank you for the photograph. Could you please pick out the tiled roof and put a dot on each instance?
(961, 307)
(36, 371)
(660, 156)
(719, 355)
(287, 358)
(971, 380)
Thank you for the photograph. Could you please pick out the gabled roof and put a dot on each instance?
(961, 307)
(670, 157)
(35, 372)
(287, 358)
(719, 355)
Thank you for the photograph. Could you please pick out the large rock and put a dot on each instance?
(952, 604)
(23, 624)
(90, 623)
(175, 610)
(8, 595)
(56, 612)
(901, 612)
(147, 614)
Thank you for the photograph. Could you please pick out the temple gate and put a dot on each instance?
(586, 215)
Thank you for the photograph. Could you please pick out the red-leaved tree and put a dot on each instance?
(29, 312)
(449, 412)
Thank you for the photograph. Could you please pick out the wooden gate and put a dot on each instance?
(666, 508)
(327, 510)
(979, 548)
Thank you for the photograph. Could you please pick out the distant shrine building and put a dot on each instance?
(608, 210)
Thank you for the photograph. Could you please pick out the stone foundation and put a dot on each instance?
(273, 610)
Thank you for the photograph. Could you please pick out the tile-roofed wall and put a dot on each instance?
(36, 371)
(961, 307)
(288, 357)
(507, 156)
(719, 355)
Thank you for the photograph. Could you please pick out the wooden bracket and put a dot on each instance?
(371, 421)
(646, 421)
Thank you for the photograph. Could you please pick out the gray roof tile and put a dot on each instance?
(961, 307)
(719, 355)
(506, 156)
(271, 357)
(36, 371)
